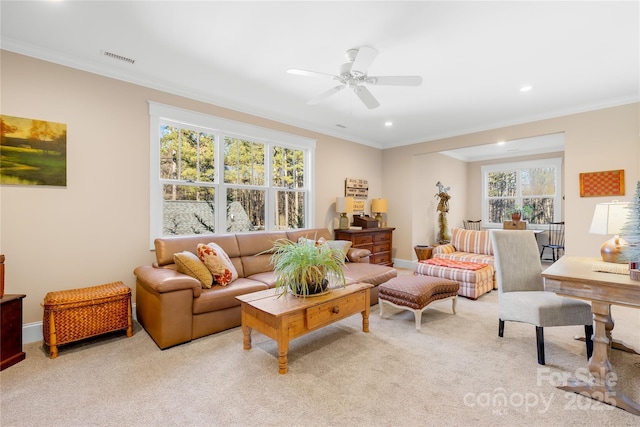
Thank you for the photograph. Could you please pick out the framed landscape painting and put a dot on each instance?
(33, 152)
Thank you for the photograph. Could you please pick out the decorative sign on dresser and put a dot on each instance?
(377, 240)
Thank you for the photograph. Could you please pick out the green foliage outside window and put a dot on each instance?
(512, 190)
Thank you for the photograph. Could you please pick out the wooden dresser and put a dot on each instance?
(378, 240)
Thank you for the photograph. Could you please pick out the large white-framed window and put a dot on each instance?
(535, 185)
(213, 175)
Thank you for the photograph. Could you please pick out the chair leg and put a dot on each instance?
(540, 344)
(500, 328)
(588, 339)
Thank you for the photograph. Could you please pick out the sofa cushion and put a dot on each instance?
(189, 264)
(269, 278)
(218, 263)
(467, 257)
(475, 241)
(252, 246)
(368, 273)
(222, 297)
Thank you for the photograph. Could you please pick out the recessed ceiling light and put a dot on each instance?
(501, 142)
(388, 124)
(526, 88)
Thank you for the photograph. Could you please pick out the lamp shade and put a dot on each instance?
(344, 204)
(379, 205)
(609, 218)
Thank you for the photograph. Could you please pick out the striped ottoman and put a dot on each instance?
(415, 293)
(473, 283)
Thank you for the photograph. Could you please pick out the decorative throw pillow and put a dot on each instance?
(343, 245)
(190, 264)
(218, 263)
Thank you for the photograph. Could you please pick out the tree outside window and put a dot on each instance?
(534, 185)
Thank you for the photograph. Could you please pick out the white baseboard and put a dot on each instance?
(32, 332)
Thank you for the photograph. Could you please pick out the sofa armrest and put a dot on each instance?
(358, 255)
(163, 280)
(444, 249)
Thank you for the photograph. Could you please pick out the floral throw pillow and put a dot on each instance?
(218, 263)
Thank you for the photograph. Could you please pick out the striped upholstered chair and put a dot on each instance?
(467, 245)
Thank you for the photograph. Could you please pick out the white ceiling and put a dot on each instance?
(473, 56)
(552, 143)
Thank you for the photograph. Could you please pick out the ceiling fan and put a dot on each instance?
(353, 75)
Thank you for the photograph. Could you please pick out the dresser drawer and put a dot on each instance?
(381, 247)
(382, 237)
(362, 240)
(384, 258)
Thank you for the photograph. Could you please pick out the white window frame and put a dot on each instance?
(221, 127)
(555, 162)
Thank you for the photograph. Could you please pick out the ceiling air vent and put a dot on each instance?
(119, 57)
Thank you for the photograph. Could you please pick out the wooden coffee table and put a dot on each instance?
(283, 318)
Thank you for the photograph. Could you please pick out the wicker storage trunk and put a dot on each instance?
(75, 314)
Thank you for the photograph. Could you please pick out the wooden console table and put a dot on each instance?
(573, 277)
(283, 318)
(11, 338)
(379, 241)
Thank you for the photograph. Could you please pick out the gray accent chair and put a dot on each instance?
(521, 294)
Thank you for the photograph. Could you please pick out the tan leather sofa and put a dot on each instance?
(174, 308)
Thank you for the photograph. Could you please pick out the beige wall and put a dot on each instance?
(597, 140)
(96, 230)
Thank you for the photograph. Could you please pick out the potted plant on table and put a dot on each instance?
(306, 268)
(519, 212)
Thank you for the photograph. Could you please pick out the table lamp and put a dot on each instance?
(344, 205)
(609, 218)
(379, 206)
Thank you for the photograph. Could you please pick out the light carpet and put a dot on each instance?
(455, 372)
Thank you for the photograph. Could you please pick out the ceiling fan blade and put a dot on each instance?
(363, 60)
(366, 97)
(325, 95)
(307, 73)
(394, 80)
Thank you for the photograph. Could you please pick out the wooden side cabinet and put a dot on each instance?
(377, 240)
(11, 338)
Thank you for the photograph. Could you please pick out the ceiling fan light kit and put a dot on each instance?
(353, 74)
